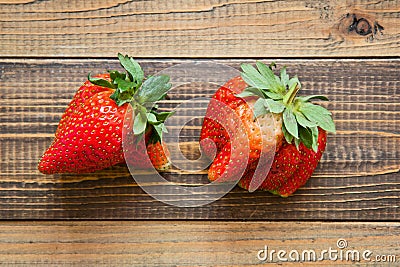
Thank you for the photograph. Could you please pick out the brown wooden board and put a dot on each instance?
(199, 28)
(357, 178)
(172, 243)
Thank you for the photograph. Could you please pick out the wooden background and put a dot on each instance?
(48, 47)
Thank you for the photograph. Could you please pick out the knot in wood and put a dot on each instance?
(361, 26)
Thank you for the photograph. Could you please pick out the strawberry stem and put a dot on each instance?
(140, 91)
(291, 95)
(301, 118)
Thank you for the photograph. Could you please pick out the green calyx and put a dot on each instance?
(278, 94)
(141, 92)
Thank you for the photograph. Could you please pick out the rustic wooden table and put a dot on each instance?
(344, 50)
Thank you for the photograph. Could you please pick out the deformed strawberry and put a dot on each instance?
(89, 136)
(273, 116)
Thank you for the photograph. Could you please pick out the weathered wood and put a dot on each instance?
(124, 243)
(213, 28)
(357, 178)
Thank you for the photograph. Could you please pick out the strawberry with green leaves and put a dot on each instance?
(89, 135)
(279, 119)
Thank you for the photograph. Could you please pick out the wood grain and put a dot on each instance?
(357, 178)
(243, 28)
(172, 243)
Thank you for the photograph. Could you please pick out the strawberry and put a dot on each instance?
(89, 136)
(308, 162)
(159, 155)
(261, 135)
(213, 130)
(285, 163)
(144, 155)
(86, 91)
(273, 117)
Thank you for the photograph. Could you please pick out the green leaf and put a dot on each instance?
(281, 87)
(116, 74)
(272, 95)
(154, 88)
(124, 85)
(164, 128)
(326, 123)
(309, 107)
(120, 101)
(152, 119)
(303, 121)
(132, 67)
(284, 77)
(290, 122)
(253, 78)
(100, 82)
(306, 136)
(162, 116)
(274, 106)
(259, 108)
(251, 91)
(294, 82)
(269, 76)
(115, 96)
(245, 93)
(314, 132)
(319, 115)
(308, 98)
(120, 98)
(139, 124)
(159, 130)
(297, 143)
(287, 135)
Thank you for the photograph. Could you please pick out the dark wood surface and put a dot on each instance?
(357, 178)
(48, 47)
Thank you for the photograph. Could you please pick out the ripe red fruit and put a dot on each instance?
(308, 162)
(272, 117)
(89, 136)
(86, 91)
(89, 140)
(228, 115)
(218, 113)
(285, 163)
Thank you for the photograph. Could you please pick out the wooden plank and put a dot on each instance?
(357, 178)
(125, 243)
(244, 28)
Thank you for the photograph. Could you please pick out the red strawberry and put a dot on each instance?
(284, 165)
(263, 135)
(272, 100)
(159, 155)
(84, 92)
(308, 162)
(89, 136)
(90, 139)
(213, 130)
(143, 155)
